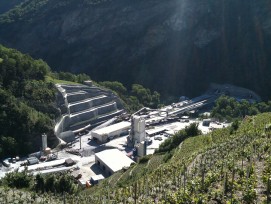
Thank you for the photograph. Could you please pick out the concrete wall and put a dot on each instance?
(62, 125)
(85, 105)
(89, 103)
(107, 171)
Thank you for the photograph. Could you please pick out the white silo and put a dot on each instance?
(138, 129)
(137, 135)
(141, 149)
(44, 141)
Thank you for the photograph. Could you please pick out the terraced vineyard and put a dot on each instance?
(226, 166)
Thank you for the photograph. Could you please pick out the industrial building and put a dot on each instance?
(116, 130)
(112, 160)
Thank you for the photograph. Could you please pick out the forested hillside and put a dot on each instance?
(27, 100)
(172, 46)
(6, 5)
(26, 103)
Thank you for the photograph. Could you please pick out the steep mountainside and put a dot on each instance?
(8, 4)
(27, 103)
(172, 46)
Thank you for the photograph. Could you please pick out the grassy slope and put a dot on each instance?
(58, 81)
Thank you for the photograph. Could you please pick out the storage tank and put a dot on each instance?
(141, 125)
(138, 129)
(44, 141)
(136, 123)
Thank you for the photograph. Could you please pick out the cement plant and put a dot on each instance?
(97, 138)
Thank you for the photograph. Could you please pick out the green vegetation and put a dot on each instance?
(6, 5)
(135, 98)
(228, 108)
(231, 165)
(37, 188)
(67, 77)
(176, 139)
(28, 9)
(27, 98)
(27, 102)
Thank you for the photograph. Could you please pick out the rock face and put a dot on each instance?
(172, 46)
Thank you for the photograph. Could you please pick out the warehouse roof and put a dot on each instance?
(113, 128)
(114, 159)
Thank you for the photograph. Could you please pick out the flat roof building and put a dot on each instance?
(112, 160)
(116, 130)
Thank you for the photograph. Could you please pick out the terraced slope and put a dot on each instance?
(82, 105)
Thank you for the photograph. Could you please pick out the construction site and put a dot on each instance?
(93, 145)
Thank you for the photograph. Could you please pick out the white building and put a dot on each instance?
(112, 160)
(111, 131)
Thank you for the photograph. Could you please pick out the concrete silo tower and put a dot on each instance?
(44, 141)
(137, 135)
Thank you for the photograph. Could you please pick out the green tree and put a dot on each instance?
(229, 108)
(40, 183)
(8, 145)
(17, 179)
(143, 94)
(115, 86)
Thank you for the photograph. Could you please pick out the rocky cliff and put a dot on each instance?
(172, 46)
